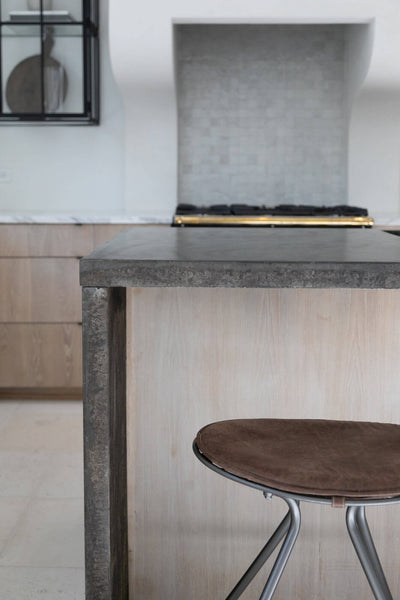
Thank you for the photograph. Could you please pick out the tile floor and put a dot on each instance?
(41, 500)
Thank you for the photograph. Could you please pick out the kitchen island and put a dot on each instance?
(206, 323)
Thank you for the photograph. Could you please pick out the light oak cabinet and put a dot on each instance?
(40, 308)
(40, 290)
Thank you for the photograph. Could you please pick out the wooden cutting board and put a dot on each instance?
(24, 85)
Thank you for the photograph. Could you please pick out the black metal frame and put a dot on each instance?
(91, 71)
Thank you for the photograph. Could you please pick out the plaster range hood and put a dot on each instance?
(263, 114)
(260, 103)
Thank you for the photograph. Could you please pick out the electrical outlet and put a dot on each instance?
(5, 176)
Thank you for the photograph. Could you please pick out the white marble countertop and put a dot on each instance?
(83, 218)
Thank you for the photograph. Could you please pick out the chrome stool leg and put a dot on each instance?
(284, 553)
(289, 526)
(363, 543)
(369, 544)
(261, 558)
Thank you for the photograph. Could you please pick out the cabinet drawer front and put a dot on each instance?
(104, 233)
(40, 290)
(46, 240)
(40, 355)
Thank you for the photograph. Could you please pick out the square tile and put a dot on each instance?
(63, 477)
(41, 500)
(12, 513)
(21, 471)
(50, 534)
(27, 583)
(51, 407)
(8, 408)
(43, 431)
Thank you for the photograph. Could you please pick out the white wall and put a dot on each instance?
(68, 168)
(129, 162)
(143, 62)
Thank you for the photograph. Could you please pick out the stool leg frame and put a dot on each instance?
(289, 526)
(261, 559)
(356, 524)
(286, 549)
(364, 546)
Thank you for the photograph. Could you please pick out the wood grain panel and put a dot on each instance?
(40, 290)
(41, 393)
(104, 233)
(199, 355)
(40, 355)
(45, 240)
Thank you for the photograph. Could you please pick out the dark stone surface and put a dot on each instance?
(245, 257)
(104, 384)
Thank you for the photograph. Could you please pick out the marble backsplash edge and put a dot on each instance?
(108, 218)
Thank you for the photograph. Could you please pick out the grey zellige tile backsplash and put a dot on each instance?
(262, 114)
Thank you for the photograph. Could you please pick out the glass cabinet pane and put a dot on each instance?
(21, 73)
(11, 6)
(64, 74)
(70, 8)
(53, 10)
(49, 60)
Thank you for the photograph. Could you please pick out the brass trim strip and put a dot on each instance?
(272, 220)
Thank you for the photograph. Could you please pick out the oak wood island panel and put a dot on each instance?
(314, 335)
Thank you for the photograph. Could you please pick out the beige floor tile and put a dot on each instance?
(26, 583)
(50, 535)
(63, 477)
(51, 407)
(21, 471)
(12, 512)
(41, 500)
(44, 431)
(8, 408)
(41, 474)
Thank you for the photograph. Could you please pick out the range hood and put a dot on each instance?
(161, 51)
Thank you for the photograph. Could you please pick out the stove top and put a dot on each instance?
(284, 215)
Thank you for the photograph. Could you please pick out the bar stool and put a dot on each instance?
(347, 464)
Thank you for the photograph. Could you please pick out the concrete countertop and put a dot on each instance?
(238, 257)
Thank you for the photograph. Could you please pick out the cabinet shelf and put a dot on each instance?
(35, 16)
(26, 23)
(58, 29)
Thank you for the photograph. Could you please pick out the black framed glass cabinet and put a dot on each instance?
(49, 61)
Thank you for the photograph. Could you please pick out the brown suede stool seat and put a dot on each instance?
(347, 463)
(316, 457)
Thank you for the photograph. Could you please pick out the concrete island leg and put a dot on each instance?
(104, 387)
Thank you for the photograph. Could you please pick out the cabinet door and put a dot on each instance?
(104, 233)
(45, 240)
(44, 356)
(40, 290)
